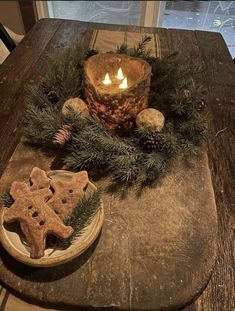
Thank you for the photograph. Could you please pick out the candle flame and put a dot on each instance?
(123, 85)
(120, 75)
(107, 80)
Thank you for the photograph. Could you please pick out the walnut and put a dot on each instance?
(151, 119)
(78, 105)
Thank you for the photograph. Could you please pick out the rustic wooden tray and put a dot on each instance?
(13, 241)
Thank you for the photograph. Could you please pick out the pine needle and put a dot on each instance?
(81, 217)
(92, 147)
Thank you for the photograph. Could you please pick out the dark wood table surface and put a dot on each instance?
(28, 62)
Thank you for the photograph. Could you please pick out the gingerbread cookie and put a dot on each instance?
(67, 193)
(39, 179)
(36, 218)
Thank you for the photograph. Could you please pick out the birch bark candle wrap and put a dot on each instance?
(116, 107)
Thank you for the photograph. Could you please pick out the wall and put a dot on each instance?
(10, 16)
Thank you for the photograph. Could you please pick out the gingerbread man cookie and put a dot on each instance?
(37, 219)
(39, 179)
(67, 193)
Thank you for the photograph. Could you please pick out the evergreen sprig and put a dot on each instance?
(139, 50)
(66, 74)
(92, 147)
(41, 125)
(81, 217)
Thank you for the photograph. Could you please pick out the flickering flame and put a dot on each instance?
(123, 85)
(107, 80)
(120, 75)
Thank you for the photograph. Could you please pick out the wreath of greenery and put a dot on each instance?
(127, 160)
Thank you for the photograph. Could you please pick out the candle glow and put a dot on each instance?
(120, 75)
(107, 79)
(124, 84)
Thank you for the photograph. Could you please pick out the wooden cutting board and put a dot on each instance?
(155, 251)
(162, 254)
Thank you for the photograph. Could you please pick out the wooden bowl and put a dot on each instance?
(13, 240)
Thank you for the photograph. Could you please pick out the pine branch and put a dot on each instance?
(92, 147)
(122, 49)
(41, 125)
(81, 217)
(65, 75)
(140, 50)
(124, 168)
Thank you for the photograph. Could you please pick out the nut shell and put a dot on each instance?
(151, 119)
(78, 105)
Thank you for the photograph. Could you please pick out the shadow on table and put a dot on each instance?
(46, 274)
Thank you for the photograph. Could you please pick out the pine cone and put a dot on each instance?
(151, 142)
(63, 135)
(154, 141)
(53, 97)
(91, 53)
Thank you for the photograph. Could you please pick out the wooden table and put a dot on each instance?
(29, 62)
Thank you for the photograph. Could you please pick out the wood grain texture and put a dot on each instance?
(155, 252)
(14, 73)
(28, 64)
(219, 77)
(201, 47)
(208, 50)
